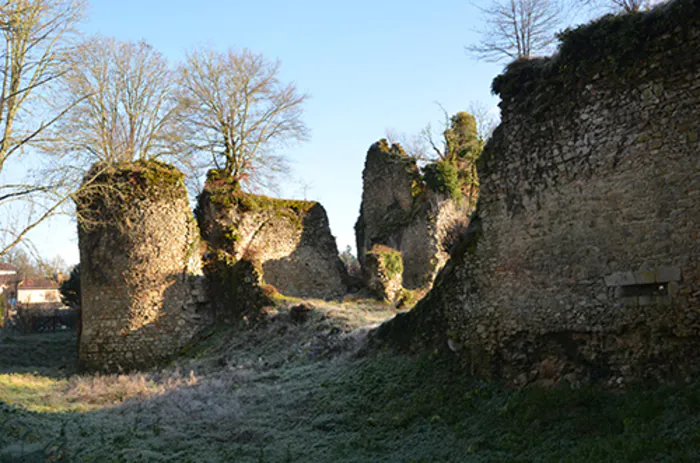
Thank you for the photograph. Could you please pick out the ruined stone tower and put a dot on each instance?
(139, 264)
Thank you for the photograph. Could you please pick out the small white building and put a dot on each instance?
(32, 292)
(7, 270)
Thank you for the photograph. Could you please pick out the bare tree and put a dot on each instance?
(125, 112)
(486, 120)
(125, 104)
(456, 133)
(624, 6)
(517, 29)
(237, 112)
(32, 49)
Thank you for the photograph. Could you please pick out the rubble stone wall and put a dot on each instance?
(142, 294)
(289, 242)
(583, 258)
(399, 211)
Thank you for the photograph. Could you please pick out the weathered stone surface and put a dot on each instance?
(399, 211)
(288, 241)
(141, 291)
(588, 206)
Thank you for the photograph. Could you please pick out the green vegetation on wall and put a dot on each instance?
(227, 193)
(443, 177)
(109, 191)
(389, 259)
(236, 286)
(454, 174)
(145, 177)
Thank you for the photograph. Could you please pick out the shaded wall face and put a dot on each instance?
(588, 259)
(140, 298)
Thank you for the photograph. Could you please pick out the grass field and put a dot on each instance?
(291, 392)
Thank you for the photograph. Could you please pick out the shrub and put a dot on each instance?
(389, 259)
(443, 177)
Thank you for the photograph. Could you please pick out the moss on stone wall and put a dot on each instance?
(390, 260)
(236, 286)
(227, 193)
(288, 240)
(140, 178)
(110, 191)
(443, 177)
(617, 46)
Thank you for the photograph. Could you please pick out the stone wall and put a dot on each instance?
(288, 241)
(398, 210)
(583, 261)
(142, 296)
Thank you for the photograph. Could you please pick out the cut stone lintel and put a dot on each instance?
(629, 278)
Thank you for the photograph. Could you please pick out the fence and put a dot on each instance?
(43, 320)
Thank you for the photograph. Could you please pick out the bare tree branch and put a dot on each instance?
(34, 39)
(517, 29)
(124, 106)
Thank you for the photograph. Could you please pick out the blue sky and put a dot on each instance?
(368, 66)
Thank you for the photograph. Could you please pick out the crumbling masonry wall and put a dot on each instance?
(400, 211)
(583, 259)
(286, 245)
(142, 297)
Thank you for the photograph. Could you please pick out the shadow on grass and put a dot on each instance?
(50, 354)
(262, 394)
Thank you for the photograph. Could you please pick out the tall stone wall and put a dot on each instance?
(142, 296)
(398, 210)
(583, 259)
(288, 243)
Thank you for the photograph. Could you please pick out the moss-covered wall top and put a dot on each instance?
(623, 48)
(585, 260)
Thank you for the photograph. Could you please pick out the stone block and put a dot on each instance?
(666, 274)
(620, 279)
(644, 277)
(672, 289)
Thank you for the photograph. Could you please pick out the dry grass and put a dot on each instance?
(84, 393)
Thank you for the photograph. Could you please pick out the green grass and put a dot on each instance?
(290, 392)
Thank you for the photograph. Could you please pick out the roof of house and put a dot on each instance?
(36, 283)
(4, 266)
(6, 279)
